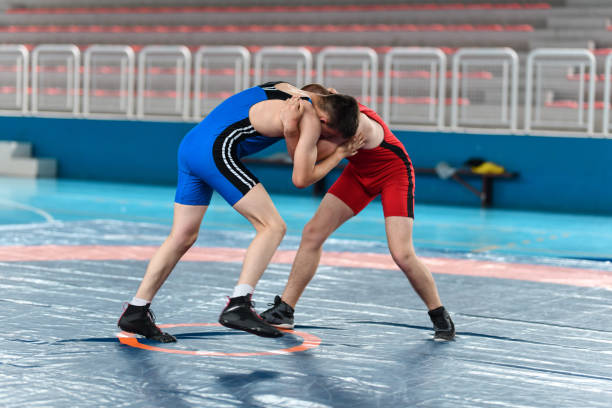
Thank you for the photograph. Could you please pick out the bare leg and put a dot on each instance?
(399, 236)
(185, 227)
(330, 215)
(257, 207)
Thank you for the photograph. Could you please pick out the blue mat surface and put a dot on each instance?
(519, 344)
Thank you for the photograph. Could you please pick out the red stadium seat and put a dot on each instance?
(260, 28)
(277, 9)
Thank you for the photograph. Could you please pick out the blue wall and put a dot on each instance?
(116, 150)
(556, 173)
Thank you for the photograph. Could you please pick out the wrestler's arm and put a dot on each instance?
(306, 169)
(290, 115)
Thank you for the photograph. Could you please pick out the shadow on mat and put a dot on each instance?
(184, 336)
(303, 327)
(408, 326)
(288, 339)
(459, 333)
(241, 380)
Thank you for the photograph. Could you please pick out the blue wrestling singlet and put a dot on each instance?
(209, 155)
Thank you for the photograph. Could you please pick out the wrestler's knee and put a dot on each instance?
(278, 227)
(272, 225)
(314, 234)
(183, 238)
(405, 257)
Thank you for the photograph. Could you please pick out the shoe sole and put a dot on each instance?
(255, 332)
(162, 338)
(444, 337)
(283, 325)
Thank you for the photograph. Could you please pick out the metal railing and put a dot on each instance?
(56, 79)
(282, 63)
(488, 76)
(164, 82)
(109, 71)
(14, 63)
(218, 72)
(482, 89)
(416, 76)
(607, 90)
(350, 70)
(552, 66)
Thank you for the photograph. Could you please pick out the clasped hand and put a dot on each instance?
(290, 115)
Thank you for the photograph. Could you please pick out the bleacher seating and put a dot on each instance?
(523, 25)
(320, 23)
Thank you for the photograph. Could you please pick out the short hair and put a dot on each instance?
(343, 110)
(343, 113)
(316, 88)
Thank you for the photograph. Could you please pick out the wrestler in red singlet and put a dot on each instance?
(385, 170)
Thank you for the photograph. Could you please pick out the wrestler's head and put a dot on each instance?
(339, 114)
(318, 89)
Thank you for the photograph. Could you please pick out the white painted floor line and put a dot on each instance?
(48, 217)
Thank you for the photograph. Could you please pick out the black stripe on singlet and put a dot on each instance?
(400, 153)
(226, 156)
(273, 93)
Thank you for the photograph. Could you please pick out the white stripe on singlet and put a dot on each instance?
(227, 157)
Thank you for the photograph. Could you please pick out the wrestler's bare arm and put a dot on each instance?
(290, 115)
(306, 169)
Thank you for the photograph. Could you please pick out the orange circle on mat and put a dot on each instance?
(309, 342)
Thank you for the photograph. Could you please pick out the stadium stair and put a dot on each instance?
(16, 160)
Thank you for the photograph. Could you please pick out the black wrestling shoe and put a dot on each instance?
(141, 320)
(239, 314)
(443, 325)
(279, 315)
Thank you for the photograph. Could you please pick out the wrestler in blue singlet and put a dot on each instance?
(209, 155)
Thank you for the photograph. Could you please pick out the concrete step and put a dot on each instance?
(587, 3)
(573, 22)
(28, 167)
(551, 43)
(16, 160)
(10, 149)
